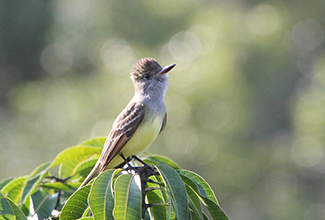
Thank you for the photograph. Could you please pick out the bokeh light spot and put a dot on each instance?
(181, 142)
(307, 151)
(28, 98)
(101, 128)
(181, 111)
(206, 150)
(308, 34)
(56, 59)
(242, 208)
(184, 46)
(315, 212)
(278, 189)
(169, 8)
(213, 114)
(263, 20)
(68, 12)
(117, 55)
(184, 84)
(242, 173)
(207, 36)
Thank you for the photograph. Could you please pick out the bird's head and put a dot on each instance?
(147, 73)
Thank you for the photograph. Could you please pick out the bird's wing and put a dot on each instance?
(123, 129)
(163, 123)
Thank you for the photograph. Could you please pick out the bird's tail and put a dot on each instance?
(93, 173)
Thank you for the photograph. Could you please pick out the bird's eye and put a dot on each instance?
(147, 76)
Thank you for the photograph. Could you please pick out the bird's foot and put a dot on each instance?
(144, 164)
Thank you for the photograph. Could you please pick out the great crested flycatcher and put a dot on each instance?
(139, 124)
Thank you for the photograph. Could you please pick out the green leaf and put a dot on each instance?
(82, 164)
(203, 187)
(204, 192)
(86, 218)
(157, 159)
(163, 192)
(95, 142)
(87, 211)
(31, 185)
(194, 202)
(84, 168)
(78, 152)
(76, 205)
(205, 217)
(128, 197)
(194, 198)
(40, 169)
(194, 216)
(215, 211)
(44, 203)
(72, 167)
(25, 207)
(101, 199)
(157, 211)
(14, 189)
(4, 182)
(5, 208)
(158, 196)
(9, 210)
(18, 213)
(66, 187)
(67, 169)
(176, 190)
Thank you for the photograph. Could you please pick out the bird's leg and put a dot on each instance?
(143, 163)
(125, 160)
(121, 165)
(144, 172)
(129, 166)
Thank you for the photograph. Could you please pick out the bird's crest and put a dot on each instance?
(145, 65)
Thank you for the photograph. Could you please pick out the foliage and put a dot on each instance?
(248, 88)
(172, 193)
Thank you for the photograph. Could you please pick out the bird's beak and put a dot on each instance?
(166, 69)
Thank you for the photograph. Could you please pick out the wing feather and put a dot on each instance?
(123, 128)
(163, 123)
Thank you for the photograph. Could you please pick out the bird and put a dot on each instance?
(141, 121)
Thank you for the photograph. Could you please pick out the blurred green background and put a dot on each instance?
(246, 101)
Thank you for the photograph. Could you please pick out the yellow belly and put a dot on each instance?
(141, 140)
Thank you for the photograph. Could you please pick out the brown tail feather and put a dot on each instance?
(93, 173)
